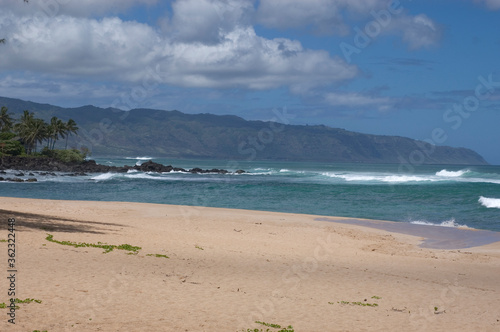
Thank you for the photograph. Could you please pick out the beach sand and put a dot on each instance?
(227, 269)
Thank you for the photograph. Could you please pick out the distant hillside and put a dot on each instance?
(175, 134)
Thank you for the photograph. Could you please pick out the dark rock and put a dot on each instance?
(15, 180)
(31, 180)
(47, 166)
(3, 172)
(19, 174)
(240, 171)
(31, 174)
(2, 179)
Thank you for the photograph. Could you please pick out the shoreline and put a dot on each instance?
(228, 268)
(432, 236)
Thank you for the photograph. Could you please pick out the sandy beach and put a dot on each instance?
(208, 269)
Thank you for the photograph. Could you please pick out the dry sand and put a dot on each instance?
(229, 268)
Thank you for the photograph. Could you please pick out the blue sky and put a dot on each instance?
(408, 68)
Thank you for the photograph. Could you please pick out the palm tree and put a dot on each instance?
(71, 128)
(5, 120)
(24, 122)
(31, 131)
(37, 133)
(51, 131)
(55, 130)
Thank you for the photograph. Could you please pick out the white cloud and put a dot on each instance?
(357, 100)
(342, 16)
(77, 46)
(245, 59)
(207, 21)
(417, 31)
(322, 16)
(114, 50)
(79, 8)
(491, 4)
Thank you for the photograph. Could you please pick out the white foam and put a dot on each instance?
(447, 223)
(140, 176)
(405, 178)
(103, 177)
(378, 178)
(139, 158)
(491, 203)
(451, 174)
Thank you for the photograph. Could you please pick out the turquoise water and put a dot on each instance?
(448, 196)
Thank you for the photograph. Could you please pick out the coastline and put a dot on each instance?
(228, 268)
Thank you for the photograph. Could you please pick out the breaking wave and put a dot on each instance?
(139, 158)
(491, 203)
(452, 174)
(104, 177)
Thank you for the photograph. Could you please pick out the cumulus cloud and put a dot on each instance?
(77, 46)
(245, 59)
(201, 43)
(113, 49)
(417, 31)
(207, 21)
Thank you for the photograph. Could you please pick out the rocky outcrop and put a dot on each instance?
(50, 165)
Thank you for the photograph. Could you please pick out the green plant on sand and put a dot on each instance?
(274, 327)
(107, 247)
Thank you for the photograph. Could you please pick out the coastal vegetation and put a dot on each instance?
(271, 328)
(107, 247)
(3, 305)
(25, 136)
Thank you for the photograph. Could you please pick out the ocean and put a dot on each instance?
(434, 195)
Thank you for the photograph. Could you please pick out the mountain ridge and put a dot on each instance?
(108, 131)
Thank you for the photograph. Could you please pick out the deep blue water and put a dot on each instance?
(438, 195)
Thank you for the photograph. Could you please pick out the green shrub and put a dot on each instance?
(11, 147)
(5, 136)
(66, 156)
(70, 156)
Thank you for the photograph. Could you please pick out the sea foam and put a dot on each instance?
(447, 223)
(384, 178)
(103, 177)
(139, 158)
(491, 203)
(452, 174)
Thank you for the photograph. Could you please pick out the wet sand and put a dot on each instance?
(434, 237)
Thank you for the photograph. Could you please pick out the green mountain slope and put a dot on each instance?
(175, 134)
